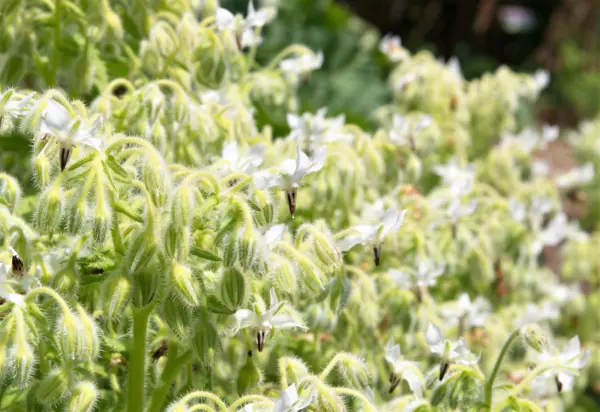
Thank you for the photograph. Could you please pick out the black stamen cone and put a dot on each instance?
(291, 199)
(559, 385)
(65, 155)
(377, 255)
(18, 268)
(161, 351)
(260, 340)
(443, 369)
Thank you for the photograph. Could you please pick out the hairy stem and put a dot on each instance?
(137, 361)
(489, 386)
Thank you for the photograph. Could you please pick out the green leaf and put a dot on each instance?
(216, 306)
(204, 254)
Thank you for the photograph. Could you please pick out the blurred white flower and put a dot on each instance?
(425, 275)
(12, 106)
(316, 128)
(450, 352)
(303, 64)
(557, 230)
(289, 401)
(235, 163)
(565, 365)
(403, 370)
(459, 180)
(290, 174)
(374, 234)
(391, 46)
(516, 19)
(560, 292)
(549, 135)
(403, 130)
(244, 29)
(467, 312)
(70, 132)
(576, 177)
(454, 66)
(540, 168)
(265, 322)
(541, 79)
(539, 313)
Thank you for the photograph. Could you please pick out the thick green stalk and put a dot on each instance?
(489, 386)
(137, 360)
(168, 375)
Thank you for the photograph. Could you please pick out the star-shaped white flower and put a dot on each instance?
(576, 177)
(459, 179)
(302, 65)
(403, 370)
(467, 312)
(566, 364)
(70, 132)
(244, 29)
(316, 128)
(449, 351)
(12, 106)
(374, 234)
(424, 276)
(266, 321)
(391, 46)
(6, 291)
(403, 130)
(290, 174)
(290, 401)
(235, 162)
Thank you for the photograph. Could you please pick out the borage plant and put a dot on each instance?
(163, 251)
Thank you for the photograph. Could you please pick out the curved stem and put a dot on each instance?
(203, 394)
(283, 373)
(294, 48)
(50, 292)
(247, 399)
(349, 392)
(332, 364)
(489, 386)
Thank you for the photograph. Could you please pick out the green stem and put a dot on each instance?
(55, 53)
(247, 399)
(489, 386)
(137, 361)
(168, 375)
(367, 406)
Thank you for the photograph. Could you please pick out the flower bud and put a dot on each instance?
(185, 284)
(311, 275)
(178, 316)
(182, 206)
(83, 398)
(249, 376)
(140, 253)
(53, 387)
(24, 362)
(210, 65)
(247, 248)
(89, 334)
(157, 178)
(233, 288)
(535, 337)
(10, 191)
(284, 273)
(69, 331)
(50, 209)
(41, 167)
(76, 215)
(177, 242)
(145, 286)
(205, 342)
(326, 251)
(102, 218)
(117, 294)
(230, 252)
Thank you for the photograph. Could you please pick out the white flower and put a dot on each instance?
(403, 132)
(303, 64)
(541, 78)
(425, 275)
(391, 46)
(404, 80)
(557, 230)
(12, 107)
(317, 128)
(243, 164)
(539, 313)
(549, 134)
(456, 209)
(291, 173)
(559, 292)
(565, 365)
(242, 28)
(289, 401)
(403, 370)
(576, 177)
(265, 322)
(540, 168)
(6, 291)
(468, 313)
(70, 132)
(460, 180)
(517, 210)
(450, 352)
(374, 235)
(454, 66)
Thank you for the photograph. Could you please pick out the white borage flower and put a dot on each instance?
(243, 29)
(291, 173)
(517, 210)
(454, 67)
(69, 132)
(317, 128)
(423, 276)
(12, 106)
(449, 351)
(234, 162)
(459, 180)
(403, 370)
(576, 177)
(557, 230)
(391, 46)
(302, 65)
(290, 401)
(541, 79)
(401, 82)
(540, 168)
(565, 365)
(468, 313)
(457, 209)
(559, 292)
(374, 234)
(266, 321)
(403, 131)
(6, 290)
(549, 135)
(535, 313)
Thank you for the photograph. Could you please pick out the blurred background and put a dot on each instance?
(562, 36)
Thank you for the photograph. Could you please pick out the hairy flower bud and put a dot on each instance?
(326, 251)
(182, 207)
(247, 248)
(89, 334)
(140, 252)
(249, 376)
(83, 398)
(177, 242)
(234, 291)
(145, 287)
(10, 191)
(284, 273)
(205, 341)
(24, 362)
(76, 215)
(117, 293)
(177, 315)
(535, 337)
(50, 209)
(53, 387)
(157, 178)
(41, 168)
(102, 220)
(69, 332)
(185, 284)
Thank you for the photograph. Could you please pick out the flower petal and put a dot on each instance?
(433, 335)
